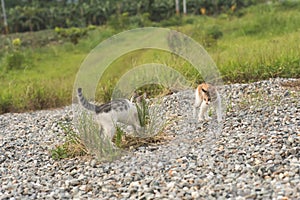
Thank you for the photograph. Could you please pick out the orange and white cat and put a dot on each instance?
(205, 94)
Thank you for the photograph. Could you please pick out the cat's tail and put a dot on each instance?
(84, 102)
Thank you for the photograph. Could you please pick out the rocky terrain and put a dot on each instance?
(253, 154)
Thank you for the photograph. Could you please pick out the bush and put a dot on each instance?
(72, 147)
(211, 35)
(94, 139)
(214, 32)
(73, 34)
(140, 20)
(16, 58)
(173, 21)
(119, 21)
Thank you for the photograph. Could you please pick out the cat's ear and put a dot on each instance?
(204, 90)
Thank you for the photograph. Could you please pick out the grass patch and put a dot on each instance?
(33, 96)
(72, 147)
(50, 72)
(255, 43)
(260, 59)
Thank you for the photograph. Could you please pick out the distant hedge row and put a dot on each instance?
(34, 15)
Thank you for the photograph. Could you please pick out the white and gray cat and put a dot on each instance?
(108, 114)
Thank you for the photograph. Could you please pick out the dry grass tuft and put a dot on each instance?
(132, 142)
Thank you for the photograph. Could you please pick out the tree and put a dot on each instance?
(4, 17)
(177, 7)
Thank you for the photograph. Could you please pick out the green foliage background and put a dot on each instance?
(34, 15)
(247, 44)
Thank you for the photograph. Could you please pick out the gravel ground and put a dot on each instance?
(256, 155)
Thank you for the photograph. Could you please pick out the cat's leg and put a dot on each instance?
(104, 132)
(102, 127)
(108, 125)
(206, 115)
(203, 111)
(112, 132)
(218, 105)
(197, 103)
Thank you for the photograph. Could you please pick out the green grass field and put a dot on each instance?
(256, 43)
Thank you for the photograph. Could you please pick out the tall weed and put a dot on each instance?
(94, 138)
(72, 147)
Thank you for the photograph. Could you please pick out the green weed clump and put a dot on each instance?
(95, 140)
(72, 147)
(143, 112)
(15, 58)
(74, 33)
(118, 137)
(152, 128)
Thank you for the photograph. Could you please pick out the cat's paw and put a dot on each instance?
(201, 119)
(208, 118)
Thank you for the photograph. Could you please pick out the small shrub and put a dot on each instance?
(173, 21)
(150, 117)
(140, 20)
(189, 20)
(119, 21)
(16, 42)
(60, 152)
(240, 13)
(73, 34)
(91, 27)
(16, 58)
(72, 147)
(152, 125)
(143, 112)
(214, 32)
(95, 139)
(210, 37)
(118, 137)
(37, 96)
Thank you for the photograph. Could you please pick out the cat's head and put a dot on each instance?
(209, 93)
